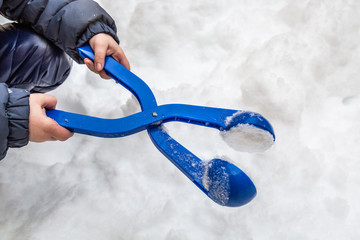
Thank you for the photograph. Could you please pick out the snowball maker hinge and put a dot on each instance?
(220, 180)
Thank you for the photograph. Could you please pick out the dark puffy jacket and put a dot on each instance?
(68, 24)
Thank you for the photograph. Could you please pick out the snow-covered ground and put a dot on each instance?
(295, 62)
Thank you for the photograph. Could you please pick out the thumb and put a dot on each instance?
(100, 53)
(48, 101)
(54, 129)
(59, 133)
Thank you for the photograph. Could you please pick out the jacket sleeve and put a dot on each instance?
(67, 23)
(14, 118)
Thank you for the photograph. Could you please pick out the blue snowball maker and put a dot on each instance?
(222, 181)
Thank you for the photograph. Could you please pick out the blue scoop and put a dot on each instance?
(220, 180)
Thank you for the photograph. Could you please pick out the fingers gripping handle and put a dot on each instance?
(126, 78)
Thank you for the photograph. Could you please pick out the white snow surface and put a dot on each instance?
(295, 62)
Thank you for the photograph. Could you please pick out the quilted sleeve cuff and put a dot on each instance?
(18, 110)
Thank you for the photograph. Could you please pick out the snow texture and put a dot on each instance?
(294, 62)
(219, 186)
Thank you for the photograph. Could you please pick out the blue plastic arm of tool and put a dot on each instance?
(222, 181)
(121, 127)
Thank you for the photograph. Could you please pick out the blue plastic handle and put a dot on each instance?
(222, 181)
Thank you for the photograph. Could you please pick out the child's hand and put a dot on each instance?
(41, 127)
(104, 45)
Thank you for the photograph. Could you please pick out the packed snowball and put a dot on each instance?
(248, 138)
